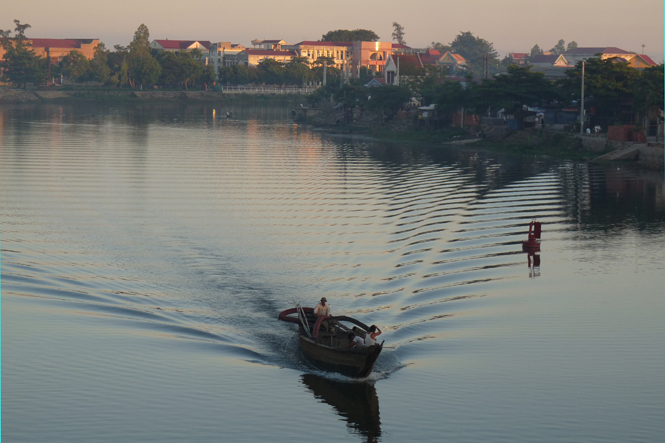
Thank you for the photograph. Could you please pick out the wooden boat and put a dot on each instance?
(327, 346)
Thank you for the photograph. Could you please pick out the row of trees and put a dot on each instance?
(135, 65)
(609, 84)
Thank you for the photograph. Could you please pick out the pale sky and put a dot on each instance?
(511, 25)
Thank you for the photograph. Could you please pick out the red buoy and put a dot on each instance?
(533, 242)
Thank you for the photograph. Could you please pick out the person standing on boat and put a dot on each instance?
(322, 309)
(372, 333)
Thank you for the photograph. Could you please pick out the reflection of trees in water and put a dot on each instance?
(607, 197)
(355, 401)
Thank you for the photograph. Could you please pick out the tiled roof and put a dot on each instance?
(519, 55)
(319, 43)
(72, 43)
(552, 58)
(407, 59)
(182, 44)
(400, 46)
(648, 59)
(592, 50)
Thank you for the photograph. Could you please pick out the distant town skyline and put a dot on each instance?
(510, 25)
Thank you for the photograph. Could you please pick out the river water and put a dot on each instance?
(147, 250)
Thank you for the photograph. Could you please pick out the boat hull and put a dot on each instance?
(357, 363)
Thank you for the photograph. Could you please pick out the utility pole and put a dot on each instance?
(582, 104)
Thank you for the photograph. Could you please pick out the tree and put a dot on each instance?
(343, 35)
(440, 47)
(572, 45)
(398, 33)
(388, 99)
(74, 66)
(189, 68)
(536, 51)
(609, 82)
(21, 66)
(517, 88)
(451, 96)
(99, 68)
(474, 49)
(141, 65)
(559, 47)
(648, 88)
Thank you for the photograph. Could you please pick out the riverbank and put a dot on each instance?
(552, 142)
(17, 96)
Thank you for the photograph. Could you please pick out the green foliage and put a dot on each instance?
(74, 66)
(648, 88)
(474, 49)
(608, 81)
(350, 94)
(99, 68)
(388, 99)
(343, 35)
(518, 87)
(559, 48)
(440, 47)
(451, 96)
(536, 51)
(142, 68)
(21, 66)
(572, 45)
(398, 33)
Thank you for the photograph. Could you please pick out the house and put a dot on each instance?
(375, 82)
(270, 45)
(452, 61)
(340, 52)
(557, 60)
(370, 55)
(57, 48)
(224, 54)
(520, 58)
(180, 45)
(252, 57)
(579, 54)
(429, 57)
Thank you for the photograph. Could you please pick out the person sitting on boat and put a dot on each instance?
(356, 341)
(372, 333)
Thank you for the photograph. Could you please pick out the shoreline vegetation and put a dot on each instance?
(548, 142)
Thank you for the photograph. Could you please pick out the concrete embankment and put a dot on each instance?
(12, 96)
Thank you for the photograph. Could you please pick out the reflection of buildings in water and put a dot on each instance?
(356, 402)
(533, 260)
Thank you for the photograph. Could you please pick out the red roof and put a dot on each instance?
(270, 52)
(73, 43)
(407, 59)
(182, 44)
(319, 43)
(647, 59)
(400, 46)
(592, 50)
(519, 55)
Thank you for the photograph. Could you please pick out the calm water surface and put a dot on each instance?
(146, 253)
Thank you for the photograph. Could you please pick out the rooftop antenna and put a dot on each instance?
(642, 48)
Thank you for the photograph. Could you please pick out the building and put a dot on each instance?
(633, 59)
(451, 61)
(57, 48)
(224, 54)
(546, 61)
(520, 58)
(180, 45)
(340, 52)
(252, 57)
(370, 55)
(270, 45)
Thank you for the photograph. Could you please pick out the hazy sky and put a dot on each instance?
(511, 25)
